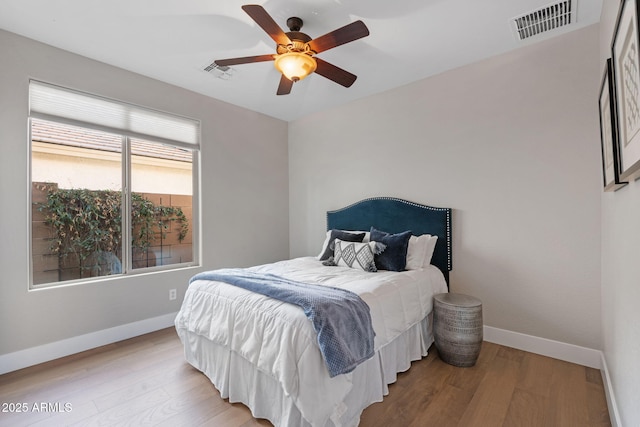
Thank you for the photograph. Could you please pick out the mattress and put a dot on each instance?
(264, 352)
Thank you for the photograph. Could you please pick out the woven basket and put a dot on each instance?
(457, 328)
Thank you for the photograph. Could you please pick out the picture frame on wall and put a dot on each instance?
(626, 81)
(609, 131)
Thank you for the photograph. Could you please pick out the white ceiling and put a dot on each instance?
(174, 40)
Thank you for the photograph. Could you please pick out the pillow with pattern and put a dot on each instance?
(356, 255)
(347, 236)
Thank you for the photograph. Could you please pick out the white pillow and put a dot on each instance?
(431, 246)
(326, 240)
(357, 255)
(420, 251)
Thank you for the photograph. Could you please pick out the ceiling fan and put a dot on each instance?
(295, 51)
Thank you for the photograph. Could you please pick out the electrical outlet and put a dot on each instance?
(172, 294)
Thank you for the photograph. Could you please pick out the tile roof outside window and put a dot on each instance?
(54, 133)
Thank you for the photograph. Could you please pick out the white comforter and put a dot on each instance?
(280, 341)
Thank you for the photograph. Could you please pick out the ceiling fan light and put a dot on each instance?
(295, 65)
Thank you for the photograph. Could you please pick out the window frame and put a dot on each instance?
(126, 166)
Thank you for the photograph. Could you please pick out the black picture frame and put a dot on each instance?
(626, 71)
(609, 131)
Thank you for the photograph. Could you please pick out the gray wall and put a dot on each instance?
(512, 145)
(244, 197)
(620, 271)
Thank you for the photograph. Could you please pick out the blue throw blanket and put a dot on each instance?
(340, 317)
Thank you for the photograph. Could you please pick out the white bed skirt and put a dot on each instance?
(239, 381)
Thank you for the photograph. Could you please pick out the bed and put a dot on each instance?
(266, 354)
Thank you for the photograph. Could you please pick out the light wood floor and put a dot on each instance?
(145, 381)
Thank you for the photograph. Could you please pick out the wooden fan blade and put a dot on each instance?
(243, 60)
(348, 33)
(337, 74)
(266, 22)
(284, 88)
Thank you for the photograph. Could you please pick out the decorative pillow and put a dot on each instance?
(327, 240)
(416, 252)
(394, 257)
(420, 251)
(347, 236)
(357, 255)
(431, 247)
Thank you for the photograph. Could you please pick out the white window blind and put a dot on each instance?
(47, 101)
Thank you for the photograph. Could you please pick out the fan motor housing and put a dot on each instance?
(295, 35)
(298, 36)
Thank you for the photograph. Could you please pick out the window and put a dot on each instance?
(112, 187)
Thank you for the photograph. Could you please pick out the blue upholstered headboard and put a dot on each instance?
(396, 215)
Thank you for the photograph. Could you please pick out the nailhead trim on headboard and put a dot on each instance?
(447, 212)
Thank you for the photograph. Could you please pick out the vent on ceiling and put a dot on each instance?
(545, 19)
(220, 71)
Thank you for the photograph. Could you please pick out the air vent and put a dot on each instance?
(220, 71)
(545, 19)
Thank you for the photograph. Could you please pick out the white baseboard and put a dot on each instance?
(545, 347)
(614, 415)
(563, 351)
(44, 353)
